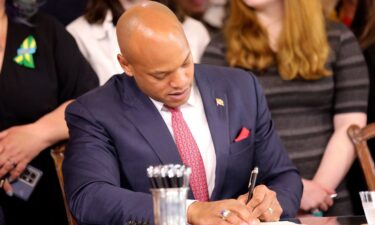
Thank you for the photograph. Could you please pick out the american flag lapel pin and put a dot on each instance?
(219, 101)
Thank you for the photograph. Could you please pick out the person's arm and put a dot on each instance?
(349, 105)
(337, 160)
(20, 144)
(339, 154)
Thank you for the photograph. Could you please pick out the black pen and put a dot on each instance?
(253, 178)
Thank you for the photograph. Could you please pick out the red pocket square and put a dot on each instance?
(245, 133)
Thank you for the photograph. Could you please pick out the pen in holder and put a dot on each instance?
(169, 193)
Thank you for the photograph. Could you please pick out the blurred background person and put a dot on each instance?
(215, 15)
(340, 10)
(196, 33)
(194, 8)
(64, 10)
(315, 81)
(363, 26)
(211, 13)
(95, 34)
(329, 8)
(42, 70)
(345, 11)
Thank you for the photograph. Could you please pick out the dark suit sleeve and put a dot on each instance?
(277, 170)
(92, 177)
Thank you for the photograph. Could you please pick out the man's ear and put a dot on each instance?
(125, 65)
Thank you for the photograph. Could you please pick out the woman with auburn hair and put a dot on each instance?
(315, 80)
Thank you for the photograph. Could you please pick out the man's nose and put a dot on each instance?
(179, 78)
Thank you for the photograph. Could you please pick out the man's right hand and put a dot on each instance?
(208, 213)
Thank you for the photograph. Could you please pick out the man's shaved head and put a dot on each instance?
(155, 52)
(147, 24)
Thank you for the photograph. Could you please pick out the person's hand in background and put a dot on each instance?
(18, 146)
(315, 196)
(21, 144)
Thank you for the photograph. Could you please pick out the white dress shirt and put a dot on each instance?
(195, 117)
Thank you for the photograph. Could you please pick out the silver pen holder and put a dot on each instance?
(169, 206)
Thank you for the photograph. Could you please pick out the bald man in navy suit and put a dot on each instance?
(121, 128)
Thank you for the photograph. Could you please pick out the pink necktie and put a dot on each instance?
(190, 155)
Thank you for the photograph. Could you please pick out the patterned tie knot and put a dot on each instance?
(172, 110)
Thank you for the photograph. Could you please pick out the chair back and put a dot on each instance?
(359, 137)
(57, 154)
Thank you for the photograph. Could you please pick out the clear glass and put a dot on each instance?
(169, 206)
(368, 204)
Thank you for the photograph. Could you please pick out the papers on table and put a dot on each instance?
(279, 223)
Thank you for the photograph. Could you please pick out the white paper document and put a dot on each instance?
(279, 223)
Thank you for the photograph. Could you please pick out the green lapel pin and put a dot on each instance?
(25, 53)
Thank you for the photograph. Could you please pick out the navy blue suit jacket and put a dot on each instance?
(116, 133)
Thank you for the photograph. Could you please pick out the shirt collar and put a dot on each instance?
(191, 102)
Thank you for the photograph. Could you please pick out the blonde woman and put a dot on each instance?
(315, 81)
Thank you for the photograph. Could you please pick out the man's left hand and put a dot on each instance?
(264, 204)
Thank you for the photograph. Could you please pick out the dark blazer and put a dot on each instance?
(116, 133)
